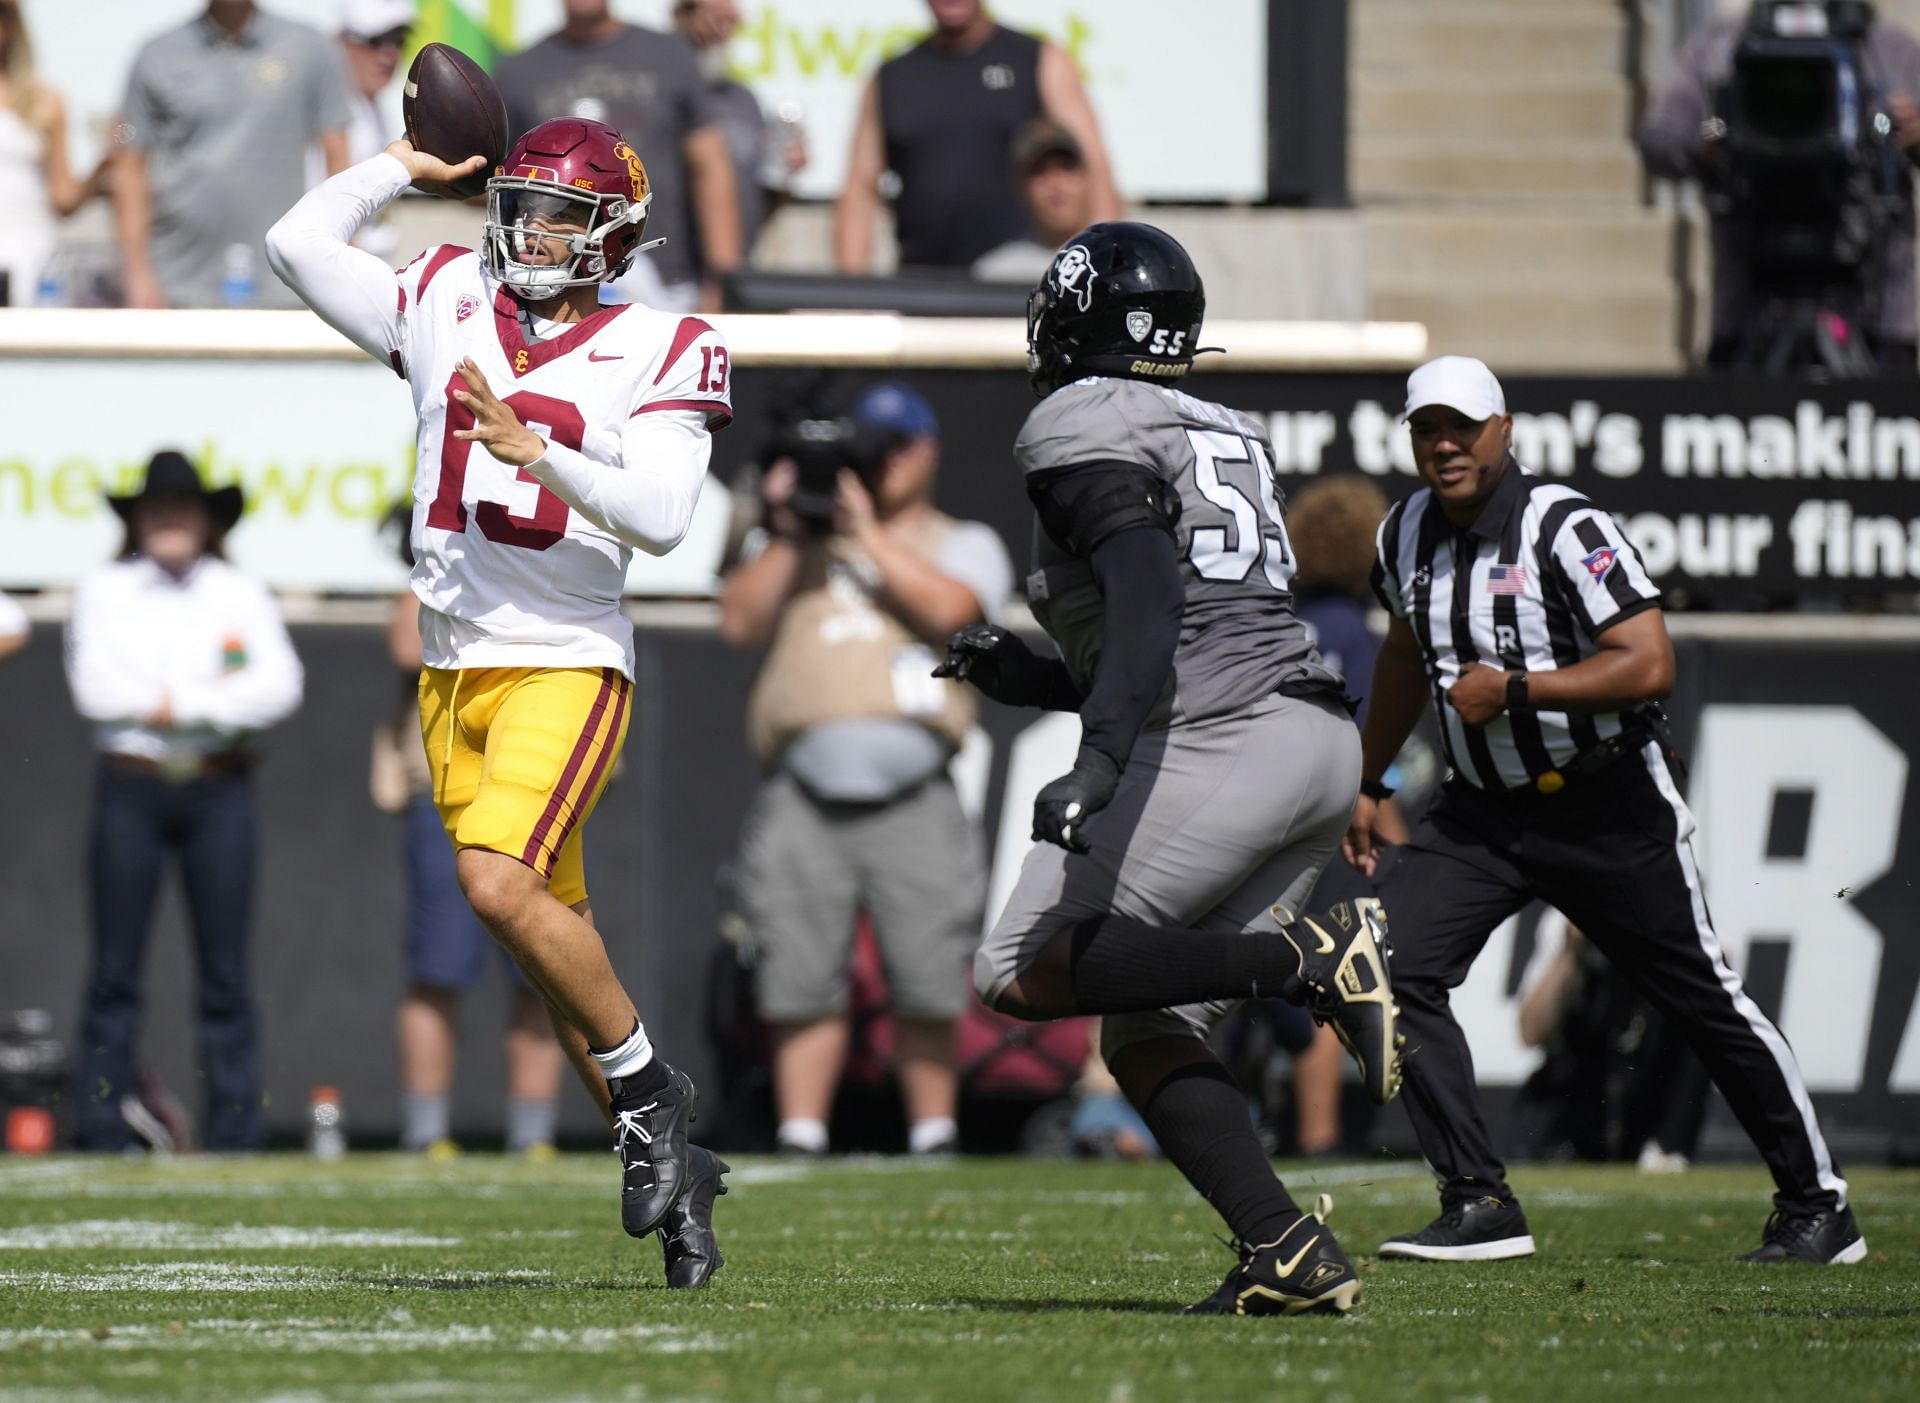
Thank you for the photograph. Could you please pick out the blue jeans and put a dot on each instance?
(207, 825)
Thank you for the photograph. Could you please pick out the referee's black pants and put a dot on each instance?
(1611, 852)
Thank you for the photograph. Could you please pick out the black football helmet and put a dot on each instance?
(1118, 299)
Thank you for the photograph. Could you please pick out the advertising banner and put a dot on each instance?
(1154, 84)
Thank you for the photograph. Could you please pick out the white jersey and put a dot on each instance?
(519, 567)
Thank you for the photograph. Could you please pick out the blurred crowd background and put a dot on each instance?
(1630, 189)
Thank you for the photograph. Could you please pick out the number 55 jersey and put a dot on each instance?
(1239, 636)
(518, 566)
(511, 574)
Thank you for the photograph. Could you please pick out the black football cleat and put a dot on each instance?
(1343, 962)
(687, 1243)
(1827, 1238)
(1302, 1270)
(650, 1132)
(1485, 1229)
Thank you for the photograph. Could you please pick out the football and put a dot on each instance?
(453, 111)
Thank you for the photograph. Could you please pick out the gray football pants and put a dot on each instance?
(1213, 825)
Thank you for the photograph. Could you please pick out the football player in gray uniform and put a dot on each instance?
(1218, 761)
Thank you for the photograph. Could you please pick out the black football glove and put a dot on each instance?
(997, 662)
(992, 658)
(1061, 810)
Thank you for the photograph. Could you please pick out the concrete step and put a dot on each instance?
(1421, 104)
(1542, 327)
(1438, 169)
(1410, 245)
(1479, 45)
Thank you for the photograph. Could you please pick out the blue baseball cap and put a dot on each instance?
(898, 410)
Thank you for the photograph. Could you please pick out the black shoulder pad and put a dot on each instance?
(1082, 505)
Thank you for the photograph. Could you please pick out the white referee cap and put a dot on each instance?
(1458, 382)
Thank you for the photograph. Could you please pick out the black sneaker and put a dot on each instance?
(650, 1132)
(1827, 1238)
(1300, 1271)
(1343, 962)
(687, 1243)
(1472, 1230)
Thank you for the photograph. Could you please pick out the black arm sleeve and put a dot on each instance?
(1082, 505)
(1138, 571)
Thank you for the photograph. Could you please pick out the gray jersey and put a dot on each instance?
(1239, 637)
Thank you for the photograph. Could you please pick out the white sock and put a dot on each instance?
(424, 1118)
(529, 1123)
(626, 1059)
(804, 1134)
(932, 1133)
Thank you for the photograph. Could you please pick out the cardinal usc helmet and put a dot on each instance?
(1118, 299)
(568, 184)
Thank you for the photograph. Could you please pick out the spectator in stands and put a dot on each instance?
(180, 661)
(858, 812)
(37, 186)
(943, 118)
(1681, 138)
(1331, 524)
(1058, 192)
(766, 155)
(218, 117)
(14, 626)
(448, 950)
(373, 34)
(647, 86)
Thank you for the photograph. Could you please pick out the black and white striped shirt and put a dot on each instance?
(1530, 585)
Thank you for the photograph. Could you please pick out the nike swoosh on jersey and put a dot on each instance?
(595, 355)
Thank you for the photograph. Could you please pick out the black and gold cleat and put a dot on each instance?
(1343, 962)
(1301, 1271)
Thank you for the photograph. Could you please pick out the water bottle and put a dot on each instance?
(52, 290)
(326, 1124)
(32, 1074)
(236, 281)
(787, 127)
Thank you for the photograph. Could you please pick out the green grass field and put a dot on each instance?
(391, 1278)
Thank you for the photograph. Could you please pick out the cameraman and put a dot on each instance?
(1680, 140)
(858, 575)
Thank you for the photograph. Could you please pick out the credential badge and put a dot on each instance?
(1139, 324)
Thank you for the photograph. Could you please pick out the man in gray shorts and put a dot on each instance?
(1218, 763)
(857, 812)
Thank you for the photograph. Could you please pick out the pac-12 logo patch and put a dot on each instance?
(465, 307)
(1600, 562)
(1139, 324)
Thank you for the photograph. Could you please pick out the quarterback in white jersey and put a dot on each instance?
(556, 435)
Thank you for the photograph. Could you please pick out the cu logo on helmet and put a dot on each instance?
(1073, 275)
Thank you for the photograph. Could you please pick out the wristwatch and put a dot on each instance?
(1375, 790)
(1517, 691)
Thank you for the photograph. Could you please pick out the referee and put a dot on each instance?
(1520, 609)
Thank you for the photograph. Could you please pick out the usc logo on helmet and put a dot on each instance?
(636, 172)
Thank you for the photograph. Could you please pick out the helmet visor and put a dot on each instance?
(543, 226)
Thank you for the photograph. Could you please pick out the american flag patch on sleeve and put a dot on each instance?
(1506, 579)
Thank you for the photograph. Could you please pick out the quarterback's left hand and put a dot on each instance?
(495, 427)
(1479, 695)
(1061, 810)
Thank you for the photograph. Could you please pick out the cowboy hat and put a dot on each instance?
(169, 474)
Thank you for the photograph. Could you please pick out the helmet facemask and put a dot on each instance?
(542, 237)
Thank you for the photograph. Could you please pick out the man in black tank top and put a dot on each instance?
(944, 117)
